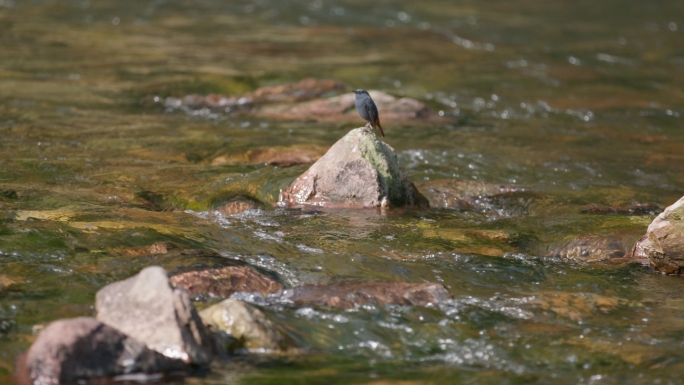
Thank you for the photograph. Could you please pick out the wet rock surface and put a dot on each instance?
(67, 351)
(465, 194)
(276, 156)
(157, 248)
(346, 295)
(591, 248)
(225, 281)
(342, 108)
(359, 171)
(308, 99)
(238, 325)
(148, 309)
(236, 206)
(638, 252)
(8, 283)
(637, 209)
(302, 90)
(665, 244)
(578, 306)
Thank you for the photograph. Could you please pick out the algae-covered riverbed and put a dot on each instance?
(576, 106)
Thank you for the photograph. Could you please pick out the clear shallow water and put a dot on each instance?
(577, 102)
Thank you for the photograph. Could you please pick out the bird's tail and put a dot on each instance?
(377, 123)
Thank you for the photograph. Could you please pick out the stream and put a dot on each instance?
(574, 104)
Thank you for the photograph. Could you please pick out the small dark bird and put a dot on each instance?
(367, 109)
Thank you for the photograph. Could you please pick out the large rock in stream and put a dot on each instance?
(664, 242)
(83, 348)
(148, 309)
(359, 171)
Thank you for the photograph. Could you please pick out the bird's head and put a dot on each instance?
(361, 92)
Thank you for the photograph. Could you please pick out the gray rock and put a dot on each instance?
(359, 171)
(148, 309)
(241, 326)
(665, 246)
(81, 348)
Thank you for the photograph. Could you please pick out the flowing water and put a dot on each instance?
(578, 102)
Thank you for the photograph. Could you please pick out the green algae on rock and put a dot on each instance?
(359, 171)
(238, 325)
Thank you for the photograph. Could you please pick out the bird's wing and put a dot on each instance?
(373, 115)
(372, 110)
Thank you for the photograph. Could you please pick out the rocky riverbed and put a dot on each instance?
(519, 225)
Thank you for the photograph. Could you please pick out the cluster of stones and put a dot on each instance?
(145, 325)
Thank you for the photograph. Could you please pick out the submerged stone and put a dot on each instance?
(276, 156)
(590, 248)
(665, 244)
(578, 306)
(346, 295)
(359, 171)
(637, 209)
(148, 309)
(68, 351)
(225, 281)
(7, 282)
(238, 205)
(238, 325)
(462, 194)
(157, 248)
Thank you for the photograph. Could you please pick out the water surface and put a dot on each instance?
(577, 102)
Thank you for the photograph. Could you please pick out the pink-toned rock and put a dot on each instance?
(342, 108)
(68, 351)
(359, 171)
(346, 295)
(225, 281)
(305, 89)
